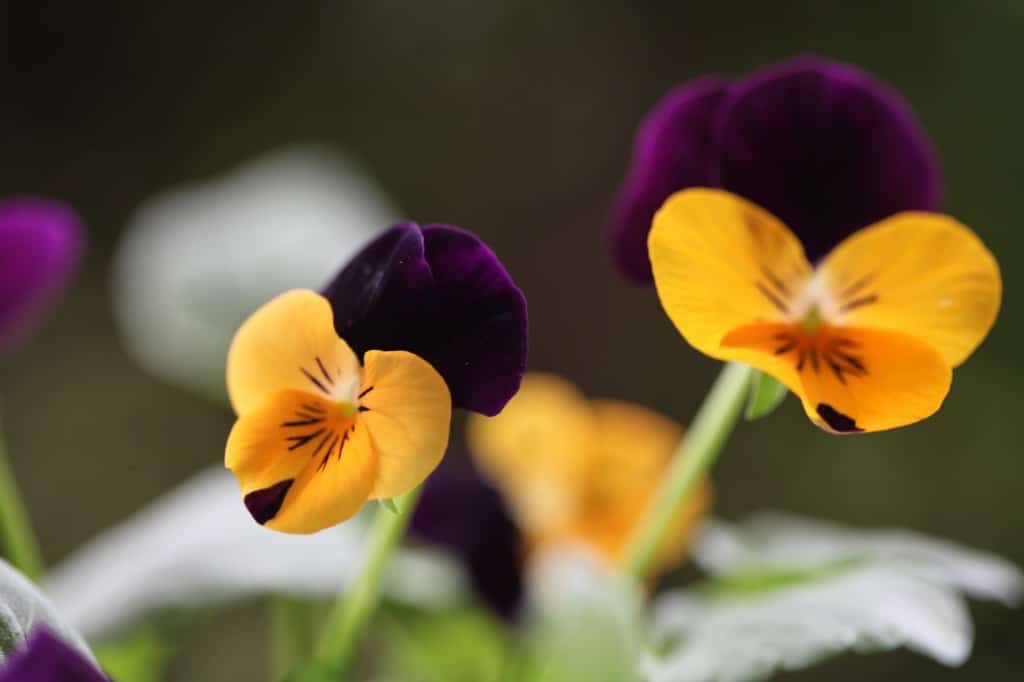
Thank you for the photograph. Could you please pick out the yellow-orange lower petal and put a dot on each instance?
(849, 379)
(921, 274)
(406, 408)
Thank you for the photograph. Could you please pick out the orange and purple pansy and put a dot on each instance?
(323, 426)
(40, 244)
(823, 146)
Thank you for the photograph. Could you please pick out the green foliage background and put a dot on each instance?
(513, 119)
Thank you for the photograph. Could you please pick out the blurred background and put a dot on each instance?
(515, 120)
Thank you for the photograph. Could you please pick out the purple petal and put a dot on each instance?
(826, 148)
(40, 244)
(462, 514)
(674, 149)
(440, 293)
(45, 658)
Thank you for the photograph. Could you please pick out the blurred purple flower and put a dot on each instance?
(40, 244)
(45, 658)
(822, 145)
(441, 293)
(463, 515)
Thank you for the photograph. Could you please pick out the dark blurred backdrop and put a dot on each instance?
(513, 119)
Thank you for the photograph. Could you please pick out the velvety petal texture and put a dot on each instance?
(40, 243)
(822, 145)
(461, 513)
(673, 149)
(46, 658)
(441, 293)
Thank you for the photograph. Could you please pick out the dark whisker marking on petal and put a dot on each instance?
(304, 422)
(776, 301)
(857, 286)
(775, 281)
(300, 413)
(858, 302)
(782, 336)
(785, 348)
(365, 391)
(314, 408)
(364, 408)
(316, 382)
(299, 441)
(323, 440)
(836, 369)
(854, 362)
(814, 359)
(323, 370)
(327, 455)
(800, 362)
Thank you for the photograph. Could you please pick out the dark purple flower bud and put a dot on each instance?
(463, 515)
(45, 658)
(822, 145)
(40, 244)
(441, 293)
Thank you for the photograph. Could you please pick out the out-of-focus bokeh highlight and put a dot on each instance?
(514, 120)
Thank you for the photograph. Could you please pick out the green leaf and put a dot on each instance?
(390, 505)
(455, 645)
(766, 393)
(316, 671)
(140, 656)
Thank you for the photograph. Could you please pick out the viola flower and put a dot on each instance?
(433, 315)
(867, 339)
(580, 472)
(40, 244)
(822, 145)
(46, 658)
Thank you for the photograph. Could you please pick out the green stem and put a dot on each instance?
(690, 464)
(355, 609)
(16, 535)
(293, 625)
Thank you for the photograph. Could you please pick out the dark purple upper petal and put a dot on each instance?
(40, 243)
(673, 149)
(438, 292)
(462, 514)
(45, 658)
(826, 148)
(822, 145)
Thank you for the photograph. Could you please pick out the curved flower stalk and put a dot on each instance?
(867, 338)
(579, 472)
(822, 145)
(319, 433)
(195, 261)
(788, 592)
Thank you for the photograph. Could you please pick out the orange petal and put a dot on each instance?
(921, 274)
(849, 379)
(290, 343)
(719, 262)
